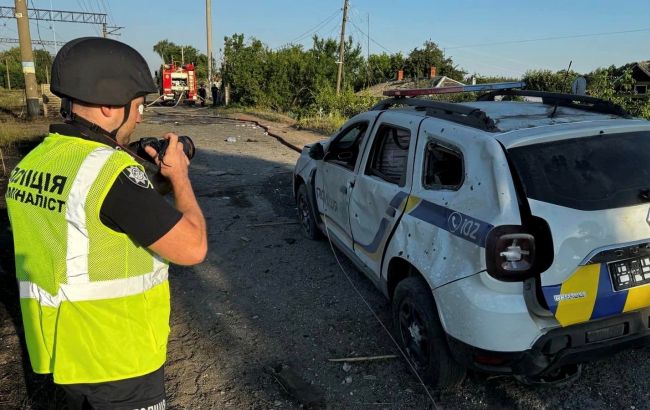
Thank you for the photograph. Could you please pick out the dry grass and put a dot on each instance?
(14, 131)
(325, 124)
(11, 99)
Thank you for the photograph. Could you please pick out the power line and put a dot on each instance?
(335, 27)
(372, 39)
(606, 33)
(107, 10)
(317, 27)
(38, 26)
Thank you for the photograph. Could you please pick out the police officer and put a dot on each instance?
(93, 238)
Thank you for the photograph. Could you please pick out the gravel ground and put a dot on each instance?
(267, 297)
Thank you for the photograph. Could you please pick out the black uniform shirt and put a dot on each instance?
(131, 206)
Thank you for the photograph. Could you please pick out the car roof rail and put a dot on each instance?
(580, 102)
(458, 113)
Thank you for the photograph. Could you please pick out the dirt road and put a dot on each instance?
(267, 297)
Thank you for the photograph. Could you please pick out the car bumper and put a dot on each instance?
(561, 346)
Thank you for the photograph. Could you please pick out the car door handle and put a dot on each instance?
(390, 211)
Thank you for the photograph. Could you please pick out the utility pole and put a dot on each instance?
(8, 78)
(54, 48)
(104, 31)
(27, 59)
(339, 76)
(368, 55)
(208, 29)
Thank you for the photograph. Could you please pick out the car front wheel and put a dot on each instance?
(305, 214)
(421, 335)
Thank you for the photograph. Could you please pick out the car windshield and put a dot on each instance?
(590, 173)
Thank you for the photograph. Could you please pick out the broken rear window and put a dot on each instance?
(591, 173)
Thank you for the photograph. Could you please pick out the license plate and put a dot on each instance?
(630, 272)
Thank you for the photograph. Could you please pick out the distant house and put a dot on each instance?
(641, 74)
(400, 83)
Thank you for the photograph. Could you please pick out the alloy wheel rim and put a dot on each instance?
(414, 335)
(304, 215)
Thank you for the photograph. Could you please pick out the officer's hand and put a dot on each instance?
(175, 163)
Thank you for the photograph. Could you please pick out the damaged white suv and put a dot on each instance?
(512, 237)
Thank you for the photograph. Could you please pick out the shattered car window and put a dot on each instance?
(443, 168)
(590, 173)
(390, 154)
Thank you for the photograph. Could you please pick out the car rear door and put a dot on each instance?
(382, 185)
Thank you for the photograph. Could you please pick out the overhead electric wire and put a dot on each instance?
(335, 28)
(316, 28)
(371, 39)
(106, 9)
(84, 7)
(38, 26)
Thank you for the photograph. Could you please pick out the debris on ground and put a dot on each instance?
(308, 395)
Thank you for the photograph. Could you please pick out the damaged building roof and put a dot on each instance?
(409, 83)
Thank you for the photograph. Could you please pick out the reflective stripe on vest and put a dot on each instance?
(79, 287)
(77, 257)
(108, 289)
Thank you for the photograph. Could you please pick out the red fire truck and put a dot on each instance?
(177, 81)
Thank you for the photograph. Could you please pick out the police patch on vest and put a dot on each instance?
(137, 176)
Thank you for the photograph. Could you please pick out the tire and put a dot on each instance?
(306, 215)
(421, 335)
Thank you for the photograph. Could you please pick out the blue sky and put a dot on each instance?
(471, 32)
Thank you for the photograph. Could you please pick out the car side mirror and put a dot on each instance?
(316, 152)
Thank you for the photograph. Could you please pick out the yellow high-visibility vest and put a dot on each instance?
(95, 304)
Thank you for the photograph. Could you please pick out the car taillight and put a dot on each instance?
(510, 253)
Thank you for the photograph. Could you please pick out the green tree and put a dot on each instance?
(11, 58)
(420, 60)
(383, 67)
(547, 80)
(244, 70)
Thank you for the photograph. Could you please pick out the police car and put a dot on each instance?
(512, 237)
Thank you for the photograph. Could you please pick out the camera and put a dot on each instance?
(160, 145)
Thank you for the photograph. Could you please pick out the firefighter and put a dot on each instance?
(92, 237)
(215, 94)
(203, 93)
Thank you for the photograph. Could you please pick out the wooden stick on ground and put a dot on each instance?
(364, 358)
(273, 224)
(2, 159)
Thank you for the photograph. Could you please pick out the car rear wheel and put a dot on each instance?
(421, 335)
(305, 215)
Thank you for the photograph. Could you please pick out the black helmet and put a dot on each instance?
(100, 71)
